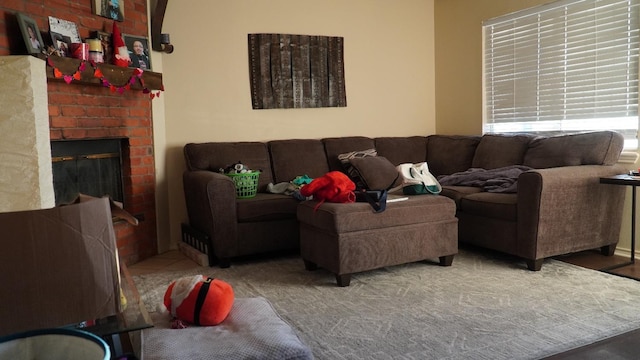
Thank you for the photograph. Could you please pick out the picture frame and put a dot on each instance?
(111, 9)
(61, 44)
(64, 28)
(139, 57)
(30, 34)
(107, 43)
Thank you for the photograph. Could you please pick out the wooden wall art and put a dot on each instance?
(296, 71)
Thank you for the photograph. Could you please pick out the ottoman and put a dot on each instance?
(351, 238)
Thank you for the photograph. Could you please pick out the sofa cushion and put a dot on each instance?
(374, 173)
(500, 150)
(450, 154)
(266, 207)
(336, 146)
(215, 155)
(297, 157)
(492, 205)
(456, 193)
(592, 148)
(398, 150)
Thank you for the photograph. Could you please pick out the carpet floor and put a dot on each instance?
(482, 307)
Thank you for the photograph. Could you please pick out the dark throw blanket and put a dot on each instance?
(500, 180)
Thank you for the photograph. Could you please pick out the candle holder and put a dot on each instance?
(165, 43)
(160, 41)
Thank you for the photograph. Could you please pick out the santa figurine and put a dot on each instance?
(120, 52)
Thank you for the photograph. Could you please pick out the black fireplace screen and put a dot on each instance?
(91, 167)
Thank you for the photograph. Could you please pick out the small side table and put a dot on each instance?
(633, 181)
(130, 318)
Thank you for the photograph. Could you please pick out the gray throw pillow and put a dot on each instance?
(375, 173)
(345, 160)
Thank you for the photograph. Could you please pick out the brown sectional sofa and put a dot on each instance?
(559, 207)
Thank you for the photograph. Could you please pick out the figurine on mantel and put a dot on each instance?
(121, 53)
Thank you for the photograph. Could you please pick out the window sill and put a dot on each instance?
(628, 157)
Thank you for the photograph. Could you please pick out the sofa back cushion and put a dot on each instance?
(448, 154)
(215, 155)
(297, 157)
(336, 146)
(398, 150)
(592, 148)
(500, 150)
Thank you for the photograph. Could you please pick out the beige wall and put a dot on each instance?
(389, 76)
(458, 39)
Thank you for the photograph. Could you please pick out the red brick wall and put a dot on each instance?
(86, 112)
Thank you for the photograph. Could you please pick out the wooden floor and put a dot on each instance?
(625, 346)
(620, 347)
(593, 260)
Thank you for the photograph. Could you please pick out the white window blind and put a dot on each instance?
(567, 66)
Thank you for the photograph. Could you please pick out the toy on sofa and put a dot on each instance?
(199, 300)
(333, 186)
(237, 168)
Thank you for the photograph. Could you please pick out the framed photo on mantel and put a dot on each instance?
(138, 47)
(66, 29)
(63, 34)
(31, 34)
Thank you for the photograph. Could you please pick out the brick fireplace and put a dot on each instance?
(84, 112)
(81, 112)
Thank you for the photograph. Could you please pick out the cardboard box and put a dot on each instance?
(58, 266)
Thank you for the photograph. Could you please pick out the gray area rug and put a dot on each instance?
(482, 307)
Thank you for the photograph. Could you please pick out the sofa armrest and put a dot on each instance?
(566, 209)
(211, 205)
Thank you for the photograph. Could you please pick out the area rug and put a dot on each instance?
(482, 307)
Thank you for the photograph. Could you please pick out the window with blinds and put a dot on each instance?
(567, 66)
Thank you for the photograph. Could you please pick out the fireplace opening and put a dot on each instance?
(91, 167)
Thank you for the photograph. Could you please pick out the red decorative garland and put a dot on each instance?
(136, 75)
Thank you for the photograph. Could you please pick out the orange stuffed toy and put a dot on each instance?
(333, 186)
(199, 300)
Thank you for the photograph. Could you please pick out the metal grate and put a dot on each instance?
(198, 240)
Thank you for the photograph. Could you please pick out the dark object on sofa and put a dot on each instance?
(559, 207)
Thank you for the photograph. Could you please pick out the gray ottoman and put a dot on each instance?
(350, 238)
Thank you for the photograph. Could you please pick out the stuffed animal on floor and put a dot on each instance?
(333, 186)
(199, 300)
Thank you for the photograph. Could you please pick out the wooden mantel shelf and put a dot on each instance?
(116, 75)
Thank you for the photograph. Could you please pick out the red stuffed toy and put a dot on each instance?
(199, 300)
(333, 186)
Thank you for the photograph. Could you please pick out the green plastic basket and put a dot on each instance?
(246, 184)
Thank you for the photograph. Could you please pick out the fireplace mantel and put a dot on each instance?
(116, 75)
